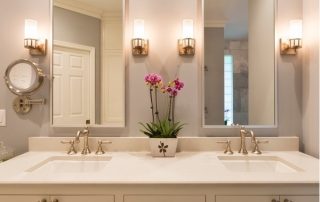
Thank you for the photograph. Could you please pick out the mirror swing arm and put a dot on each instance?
(23, 103)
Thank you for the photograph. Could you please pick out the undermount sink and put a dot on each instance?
(71, 164)
(272, 164)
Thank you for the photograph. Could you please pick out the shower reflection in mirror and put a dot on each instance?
(239, 67)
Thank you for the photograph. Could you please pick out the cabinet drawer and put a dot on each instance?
(246, 198)
(24, 198)
(83, 198)
(164, 198)
(299, 198)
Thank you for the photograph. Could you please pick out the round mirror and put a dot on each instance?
(23, 77)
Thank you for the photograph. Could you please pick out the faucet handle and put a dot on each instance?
(256, 143)
(100, 149)
(71, 149)
(228, 149)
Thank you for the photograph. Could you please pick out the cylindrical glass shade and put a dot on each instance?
(138, 29)
(31, 29)
(187, 28)
(295, 29)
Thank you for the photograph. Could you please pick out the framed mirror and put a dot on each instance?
(23, 77)
(88, 63)
(239, 74)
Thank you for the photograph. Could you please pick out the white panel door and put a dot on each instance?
(71, 92)
(83, 198)
(247, 198)
(299, 199)
(24, 198)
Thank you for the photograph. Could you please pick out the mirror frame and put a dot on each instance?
(34, 87)
(125, 58)
(202, 72)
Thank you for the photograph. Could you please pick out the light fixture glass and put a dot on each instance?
(186, 45)
(31, 29)
(140, 45)
(32, 40)
(295, 29)
(187, 28)
(289, 46)
(138, 29)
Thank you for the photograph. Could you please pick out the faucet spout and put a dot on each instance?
(85, 134)
(243, 134)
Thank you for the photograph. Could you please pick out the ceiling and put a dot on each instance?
(234, 13)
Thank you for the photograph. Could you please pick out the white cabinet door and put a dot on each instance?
(299, 199)
(164, 198)
(23, 198)
(247, 198)
(83, 198)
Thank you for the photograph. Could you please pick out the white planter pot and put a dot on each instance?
(163, 147)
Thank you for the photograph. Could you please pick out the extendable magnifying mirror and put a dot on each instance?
(23, 78)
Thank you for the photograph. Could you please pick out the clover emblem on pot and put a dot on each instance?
(163, 148)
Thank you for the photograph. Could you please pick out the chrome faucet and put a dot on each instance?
(85, 134)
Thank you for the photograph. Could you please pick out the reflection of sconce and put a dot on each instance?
(290, 46)
(186, 45)
(32, 42)
(140, 45)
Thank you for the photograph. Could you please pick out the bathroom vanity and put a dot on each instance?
(200, 172)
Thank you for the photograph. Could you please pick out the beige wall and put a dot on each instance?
(310, 85)
(163, 24)
(13, 13)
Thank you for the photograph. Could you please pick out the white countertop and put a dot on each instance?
(140, 168)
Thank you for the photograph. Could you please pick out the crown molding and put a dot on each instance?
(79, 8)
(213, 23)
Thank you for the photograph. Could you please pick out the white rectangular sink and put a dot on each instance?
(71, 164)
(269, 164)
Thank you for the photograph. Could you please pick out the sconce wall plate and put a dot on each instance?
(290, 46)
(36, 47)
(140, 47)
(186, 47)
(23, 104)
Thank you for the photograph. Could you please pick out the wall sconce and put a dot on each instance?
(186, 45)
(140, 45)
(290, 46)
(36, 46)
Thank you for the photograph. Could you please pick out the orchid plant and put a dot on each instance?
(167, 127)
